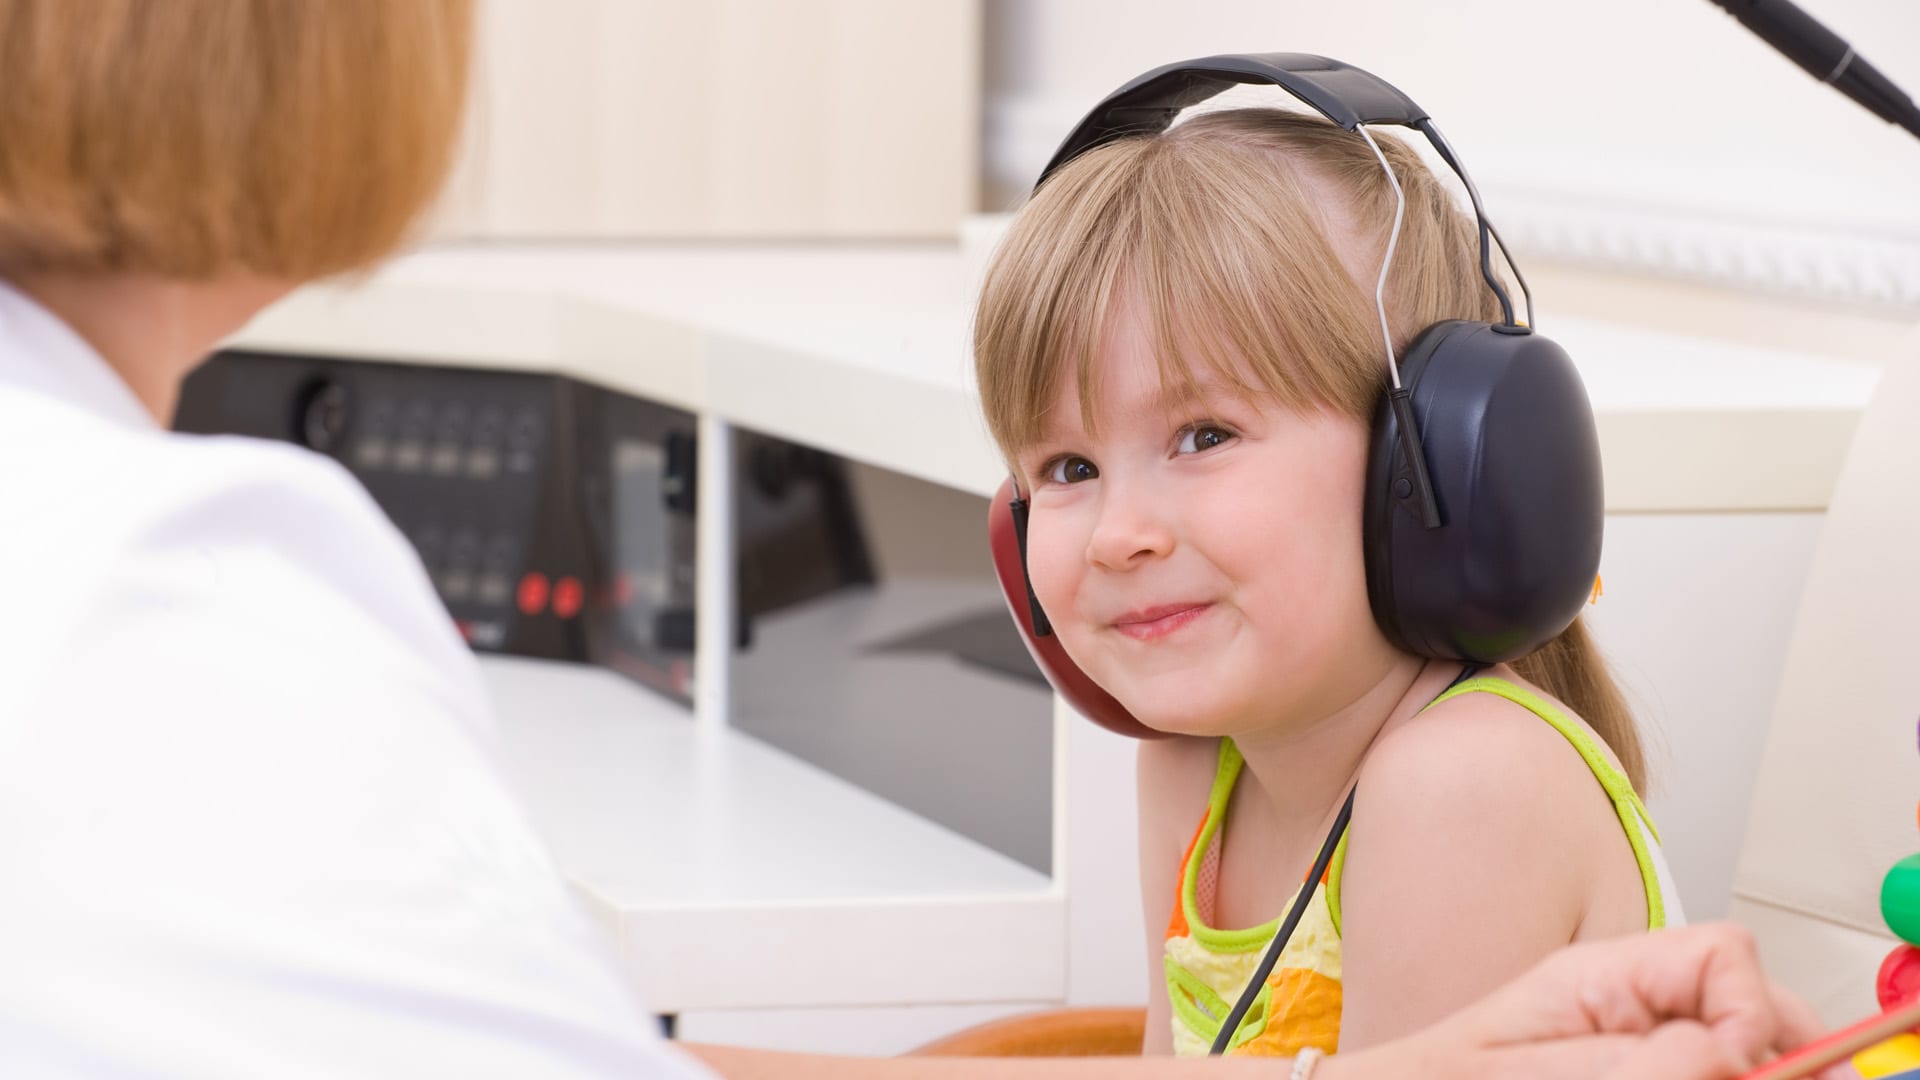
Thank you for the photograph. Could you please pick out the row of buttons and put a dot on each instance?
(459, 585)
(467, 572)
(449, 423)
(465, 567)
(373, 455)
(443, 443)
(566, 595)
(534, 595)
(463, 551)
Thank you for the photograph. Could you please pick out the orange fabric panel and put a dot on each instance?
(1177, 925)
(1306, 1006)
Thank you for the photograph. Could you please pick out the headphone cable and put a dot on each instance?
(1231, 1024)
(1300, 901)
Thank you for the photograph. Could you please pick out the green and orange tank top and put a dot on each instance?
(1207, 968)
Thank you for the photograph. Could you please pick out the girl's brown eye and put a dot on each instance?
(1072, 470)
(1203, 437)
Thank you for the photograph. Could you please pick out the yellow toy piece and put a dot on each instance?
(1884, 1061)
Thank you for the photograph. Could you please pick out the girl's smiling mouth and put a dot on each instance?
(1154, 623)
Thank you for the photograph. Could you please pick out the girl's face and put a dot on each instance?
(1201, 560)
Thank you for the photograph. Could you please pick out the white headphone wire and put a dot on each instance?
(1386, 261)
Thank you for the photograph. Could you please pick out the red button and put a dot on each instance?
(567, 595)
(532, 594)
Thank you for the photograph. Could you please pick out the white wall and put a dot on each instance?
(1670, 98)
(1696, 618)
(1656, 135)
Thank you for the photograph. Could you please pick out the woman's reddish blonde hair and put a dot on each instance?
(194, 139)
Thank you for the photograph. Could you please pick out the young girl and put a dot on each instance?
(1178, 349)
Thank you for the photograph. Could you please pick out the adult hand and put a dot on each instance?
(1687, 1004)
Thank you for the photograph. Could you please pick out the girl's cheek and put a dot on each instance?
(1050, 567)
(1051, 587)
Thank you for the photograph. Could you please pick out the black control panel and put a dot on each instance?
(555, 517)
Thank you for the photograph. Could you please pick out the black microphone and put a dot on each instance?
(1821, 53)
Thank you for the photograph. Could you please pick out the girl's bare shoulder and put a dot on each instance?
(1480, 773)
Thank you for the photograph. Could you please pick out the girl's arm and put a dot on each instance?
(1173, 778)
(1478, 839)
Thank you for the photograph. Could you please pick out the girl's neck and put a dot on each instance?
(1301, 771)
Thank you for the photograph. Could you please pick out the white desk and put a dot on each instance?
(735, 876)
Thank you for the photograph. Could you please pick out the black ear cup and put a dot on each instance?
(1514, 460)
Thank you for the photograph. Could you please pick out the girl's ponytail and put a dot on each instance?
(1571, 669)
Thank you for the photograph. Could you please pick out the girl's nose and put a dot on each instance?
(1131, 529)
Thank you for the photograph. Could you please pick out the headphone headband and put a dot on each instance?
(1347, 95)
(1344, 94)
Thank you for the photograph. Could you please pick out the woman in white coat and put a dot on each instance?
(251, 817)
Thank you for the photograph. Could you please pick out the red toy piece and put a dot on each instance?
(1899, 978)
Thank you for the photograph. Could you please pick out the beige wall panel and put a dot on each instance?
(634, 119)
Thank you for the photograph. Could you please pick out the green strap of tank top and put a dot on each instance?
(1626, 802)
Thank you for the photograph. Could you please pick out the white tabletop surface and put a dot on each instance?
(864, 351)
(736, 876)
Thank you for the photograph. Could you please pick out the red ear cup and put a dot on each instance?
(1073, 684)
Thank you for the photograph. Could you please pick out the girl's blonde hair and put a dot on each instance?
(198, 138)
(1249, 239)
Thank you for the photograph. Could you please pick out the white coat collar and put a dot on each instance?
(43, 355)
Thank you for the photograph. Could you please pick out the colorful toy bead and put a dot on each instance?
(1898, 982)
(1906, 1074)
(1899, 978)
(1896, 1057)
(1900, 899)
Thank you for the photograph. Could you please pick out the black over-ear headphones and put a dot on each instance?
(1484, 505)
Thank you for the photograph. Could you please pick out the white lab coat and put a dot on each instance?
(251, 817)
